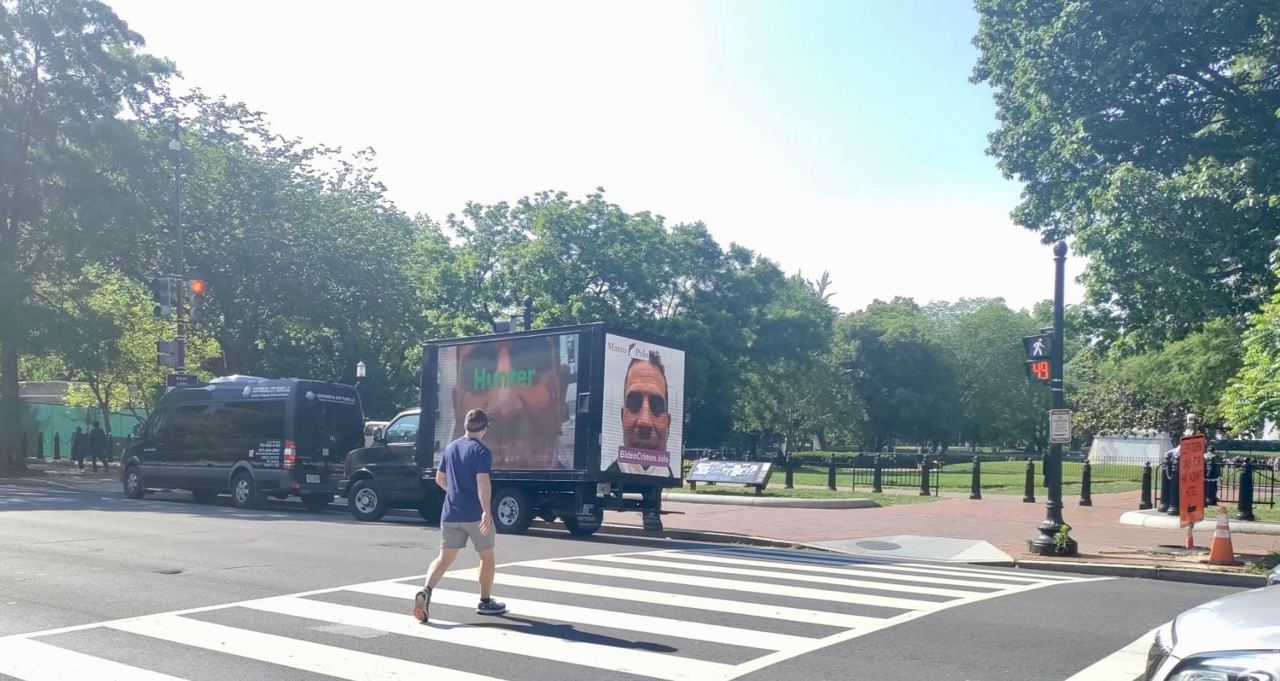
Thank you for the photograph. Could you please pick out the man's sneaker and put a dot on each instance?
(421, 604)
(491, 607)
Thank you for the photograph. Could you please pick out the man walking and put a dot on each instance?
(464, 476)
(79, 443)
(98, 445)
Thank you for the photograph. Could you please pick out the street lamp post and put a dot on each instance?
(175, 148)
(1045, 543)
(360, 373)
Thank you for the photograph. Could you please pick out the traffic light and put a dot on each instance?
(195, 299)
(1039, 351)
(162, 296)
(167, 353)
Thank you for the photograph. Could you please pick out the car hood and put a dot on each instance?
(1244, 621)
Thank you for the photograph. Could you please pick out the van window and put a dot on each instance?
(403, 430)
(332, 426)
(250, 419)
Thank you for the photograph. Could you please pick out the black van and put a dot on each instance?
(249, 437)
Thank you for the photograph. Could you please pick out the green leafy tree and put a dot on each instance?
(1148, 132)
(1253, 396)
(67, 70)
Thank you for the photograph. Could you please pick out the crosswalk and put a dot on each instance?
(704, 613)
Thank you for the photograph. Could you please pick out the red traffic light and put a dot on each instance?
(197, 286)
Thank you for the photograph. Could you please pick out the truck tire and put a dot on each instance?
(578, 528)
(364, 501)
(244, 493)
(512, 513)
(133, 487)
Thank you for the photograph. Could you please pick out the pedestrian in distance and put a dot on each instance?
(464, 476)
(98, 445)
(79, 444)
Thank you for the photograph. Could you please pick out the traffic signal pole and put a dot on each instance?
(1045, 543)
(175, 146)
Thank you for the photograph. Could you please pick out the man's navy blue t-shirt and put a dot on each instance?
(462, 460)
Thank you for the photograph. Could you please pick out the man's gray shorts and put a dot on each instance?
(455, 535)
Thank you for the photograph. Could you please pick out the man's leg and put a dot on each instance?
(488, 566)
(440, 565)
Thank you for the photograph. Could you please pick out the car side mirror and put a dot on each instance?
(379, 436)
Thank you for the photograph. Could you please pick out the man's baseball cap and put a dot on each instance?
(477, 420)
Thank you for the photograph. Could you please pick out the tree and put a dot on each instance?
(1189, 375)
(1146, 131)
(1253, 395)
(67, 69)
(901, 371)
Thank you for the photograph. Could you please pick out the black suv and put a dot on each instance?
(386, 474)
(249, 437)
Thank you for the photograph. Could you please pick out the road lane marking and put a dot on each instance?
(612, 658)
(614, 619)
(35, 661)
(317, 658)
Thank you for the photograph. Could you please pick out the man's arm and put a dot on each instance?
(441, 479)
(484, 488)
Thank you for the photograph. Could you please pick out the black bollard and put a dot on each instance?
(1029, 497)
(1086, 484)
(831, 473)
(1245, 509)
(1146, 487)
(1164, 486)
(975, 486)
(40, 445)
(877, 476)
(1212, 473)
(924, 478)
(790, 472)
(1173, 489)
(57, 446)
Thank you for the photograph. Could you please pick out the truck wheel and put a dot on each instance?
(133, 483)
(245, 494)
(364, 502)
(511, 510)
(578, 528)
(317, 502)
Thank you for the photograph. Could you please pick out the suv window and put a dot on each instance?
(405, 429)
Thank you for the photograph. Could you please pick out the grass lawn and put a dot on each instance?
(998, 477)
(806, 493)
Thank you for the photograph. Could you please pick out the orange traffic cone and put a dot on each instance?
(1220, 551)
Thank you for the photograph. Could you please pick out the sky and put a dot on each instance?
(826, 135)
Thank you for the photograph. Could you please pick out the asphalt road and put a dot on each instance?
(95, 586)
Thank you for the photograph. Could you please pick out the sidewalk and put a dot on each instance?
(1003, 521)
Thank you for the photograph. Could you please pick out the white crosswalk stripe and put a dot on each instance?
(588, 612)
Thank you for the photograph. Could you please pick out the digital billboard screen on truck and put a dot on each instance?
(526, 384)
(643, 429)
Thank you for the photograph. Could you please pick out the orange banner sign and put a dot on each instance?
(1191, 480)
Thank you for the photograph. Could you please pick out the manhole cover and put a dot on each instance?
(878, 545)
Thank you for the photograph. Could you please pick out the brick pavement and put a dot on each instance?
(1004, 521)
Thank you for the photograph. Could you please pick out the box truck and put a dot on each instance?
(583, 419)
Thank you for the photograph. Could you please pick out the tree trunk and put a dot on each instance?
(10, 412)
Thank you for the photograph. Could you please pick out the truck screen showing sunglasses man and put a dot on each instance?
(644, 408)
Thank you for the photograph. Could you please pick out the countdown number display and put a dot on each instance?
(1039, 370)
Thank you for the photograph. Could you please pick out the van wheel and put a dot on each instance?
(244, 494)
(511, 510)
(204, 496)
(133, 483)
(364, 502)
(317, 502)
(578, 528)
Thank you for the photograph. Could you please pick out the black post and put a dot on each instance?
(1245, 509)
(1164, 485)
(975, 486)
(57, 446)
(40, 445)
(877, 476)
(831, 473)
(1029, 495)
(175, 146)
(790, 472)
(1086, 484)
(924, 478)
(1211, 481)
(1172, 474)
(1045, 543)
(1146, 487)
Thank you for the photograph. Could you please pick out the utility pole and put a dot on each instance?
(175, 147)
(1045, 543)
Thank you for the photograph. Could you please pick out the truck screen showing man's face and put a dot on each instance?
(642, 432)
(522, 383)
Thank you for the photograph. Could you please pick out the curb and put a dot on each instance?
(1157, 520)
(730, 500)
(1231, 579)
(693, 535)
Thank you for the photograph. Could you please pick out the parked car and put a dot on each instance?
(1236, 638)
(248, 437)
